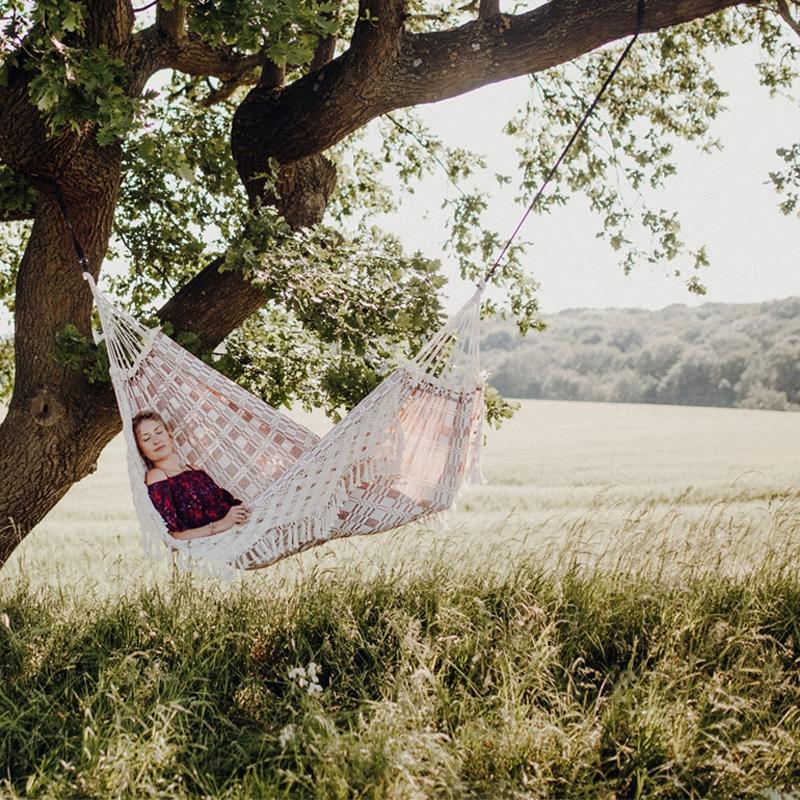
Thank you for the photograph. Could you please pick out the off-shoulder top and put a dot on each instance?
(190, 499)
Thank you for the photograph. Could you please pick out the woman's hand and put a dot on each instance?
(237, 515)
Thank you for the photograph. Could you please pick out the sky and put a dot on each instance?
(724, 201)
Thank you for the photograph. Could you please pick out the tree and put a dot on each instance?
(256, 133)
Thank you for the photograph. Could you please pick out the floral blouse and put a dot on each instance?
(190, 499)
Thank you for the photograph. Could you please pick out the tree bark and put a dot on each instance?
(57, 423)
(374, 76)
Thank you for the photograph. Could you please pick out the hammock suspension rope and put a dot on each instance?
(640, 8)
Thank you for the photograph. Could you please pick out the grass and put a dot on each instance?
(616, 615)
(433, 682)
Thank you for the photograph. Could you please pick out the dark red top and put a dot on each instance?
(190, 499)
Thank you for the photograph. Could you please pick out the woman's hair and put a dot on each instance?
(137, 420)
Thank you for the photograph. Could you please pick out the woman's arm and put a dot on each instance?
(196, 533)
(235, 516)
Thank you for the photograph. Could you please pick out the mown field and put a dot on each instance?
(616, 614)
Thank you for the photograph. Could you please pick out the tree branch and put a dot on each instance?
(378, 29)
(198, 305)
(172, 22)
(302, 194)
(783, 9)
(228, 88)
(196, 57)
(272, 75)
(190, 55)
(435, 66)
(323, 52)
(488, 8)
(385, 69)
(108, 22)
(326, 45)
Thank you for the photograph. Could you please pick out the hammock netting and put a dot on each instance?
(400, 456)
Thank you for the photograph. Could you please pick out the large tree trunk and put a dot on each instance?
(57, 423)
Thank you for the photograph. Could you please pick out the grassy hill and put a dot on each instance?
(433, 682)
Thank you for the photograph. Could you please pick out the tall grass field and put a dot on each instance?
(615, 614)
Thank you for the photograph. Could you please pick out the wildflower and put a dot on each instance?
(307, 677)
(298, 675)
(5, 621)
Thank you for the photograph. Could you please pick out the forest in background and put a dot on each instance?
(718, 354)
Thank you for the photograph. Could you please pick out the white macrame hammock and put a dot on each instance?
(400, 456)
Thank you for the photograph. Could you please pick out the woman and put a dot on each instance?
(190, 503)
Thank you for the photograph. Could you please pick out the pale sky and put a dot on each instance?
(724, 200)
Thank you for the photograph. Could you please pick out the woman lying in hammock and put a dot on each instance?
(190, 503)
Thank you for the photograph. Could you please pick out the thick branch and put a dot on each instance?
(272, 75)
(172, 22)
(386, 68)
(489, 8)
(191, 55)
(108, 22)
(214, 303)
(326, 45)
(379, 26)
(435, 66)
(323, 52)
(196, 57)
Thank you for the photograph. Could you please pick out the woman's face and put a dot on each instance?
(154, 440)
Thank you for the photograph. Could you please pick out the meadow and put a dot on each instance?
(615, 614)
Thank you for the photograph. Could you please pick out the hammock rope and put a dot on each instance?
(83, 262)
(401, 455)
(640, 9)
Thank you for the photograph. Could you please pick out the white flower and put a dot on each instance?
(307, 677)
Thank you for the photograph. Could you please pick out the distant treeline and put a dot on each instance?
(746, 356)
